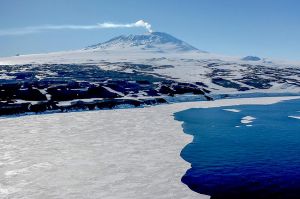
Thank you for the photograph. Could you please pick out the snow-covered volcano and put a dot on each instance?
(133, 48)
(155, 41)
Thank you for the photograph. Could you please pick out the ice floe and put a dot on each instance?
(232, 110)
(295, 117)
(247, 119)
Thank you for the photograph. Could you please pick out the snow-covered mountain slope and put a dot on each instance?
(172, 58)
(155, 42)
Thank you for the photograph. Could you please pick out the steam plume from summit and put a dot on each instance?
(106, 25)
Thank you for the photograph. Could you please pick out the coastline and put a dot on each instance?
(118, 153)
(232, 154)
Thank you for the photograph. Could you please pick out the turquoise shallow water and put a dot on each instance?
(232, 160)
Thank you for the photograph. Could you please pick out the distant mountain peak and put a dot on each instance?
(149, 41)
(251, 58)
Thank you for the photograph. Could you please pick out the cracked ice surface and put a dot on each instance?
(129, 153)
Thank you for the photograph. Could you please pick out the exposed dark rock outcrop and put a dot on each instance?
(74, 84)
(101, 92)
(9, 109)
(30, 95)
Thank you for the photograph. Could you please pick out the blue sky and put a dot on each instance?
(266, 28)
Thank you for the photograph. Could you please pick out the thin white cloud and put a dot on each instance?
(36, 29)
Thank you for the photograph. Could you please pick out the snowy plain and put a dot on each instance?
(121, 153)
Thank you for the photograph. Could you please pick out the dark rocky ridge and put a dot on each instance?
(40, 88)
(43, 87)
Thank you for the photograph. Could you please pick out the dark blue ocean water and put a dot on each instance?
(259, 161)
